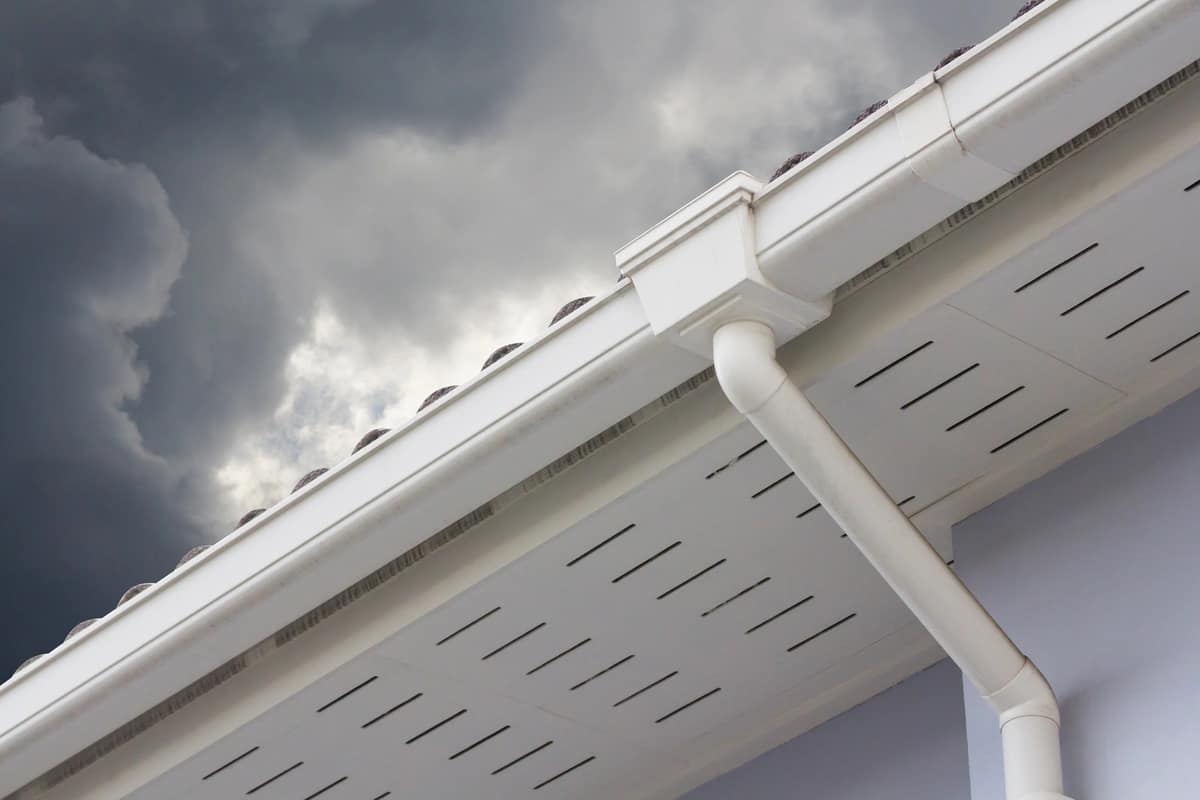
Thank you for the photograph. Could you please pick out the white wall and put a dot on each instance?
(1095, 572)
(907, 743)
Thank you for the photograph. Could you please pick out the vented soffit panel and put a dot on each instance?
(675, 602)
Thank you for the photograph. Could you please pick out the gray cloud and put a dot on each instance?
(90, 250)
(374, 194)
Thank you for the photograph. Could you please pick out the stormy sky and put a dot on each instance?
(236, 235)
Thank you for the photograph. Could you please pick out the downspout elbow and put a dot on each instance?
(744, 357)
(1029, 733)
(1028, 694)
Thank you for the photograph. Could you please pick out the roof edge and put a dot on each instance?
(959, 133)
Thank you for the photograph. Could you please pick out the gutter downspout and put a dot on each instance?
(744, 355)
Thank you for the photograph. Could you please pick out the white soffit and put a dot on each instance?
(621, 655)
(674, 604)
(1116, 293)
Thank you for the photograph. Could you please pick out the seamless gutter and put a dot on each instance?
(947, 140)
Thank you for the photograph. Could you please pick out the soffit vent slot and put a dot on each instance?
(1069, 260)
(607, 541)
(510, 764)
(777, 615)
(392, 710)
(987, 407)
(558, 657)
(737, 596)
(886, 367)
(1029, 430)
(1148, 314)
(939, 386)
(1102, 290)
(436, 726)
(827, 629)
(1175, 347)
(325, 789)
(515, 640)
(564, 773)
(686, 706)
(646, 688)
(230, 763)
(690, 579)
(646, 562)
(771, 486)
(748, 451)
(808, 511)
(480, 742)
(275, 777)
(467, 627)
(347, 693)
(602, 673)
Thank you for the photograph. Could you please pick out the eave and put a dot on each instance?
(814, 234)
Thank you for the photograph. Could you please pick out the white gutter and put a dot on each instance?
(744, 353)
(957, 134)
(742, 251)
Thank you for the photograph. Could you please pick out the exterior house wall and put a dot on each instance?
(907, 743)
(1094, 570)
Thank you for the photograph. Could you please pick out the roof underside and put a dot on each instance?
(667, 600)
(677, 595)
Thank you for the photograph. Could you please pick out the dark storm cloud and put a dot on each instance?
(127, 75)
(90, 250)
(401, 164)
(207, 93)
(112, 425)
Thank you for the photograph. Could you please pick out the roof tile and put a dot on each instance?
(1027, 7)
(570, 308)
(28, 662)
(82, 626)
(435, 395)
(369, 437)
(868, 111)
(952, 55)
(499, 353)
(132, 592)
(249, 515)
(198, 549)
(308, 478)
(791, 162)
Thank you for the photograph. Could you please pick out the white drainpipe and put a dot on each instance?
(744, 354)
